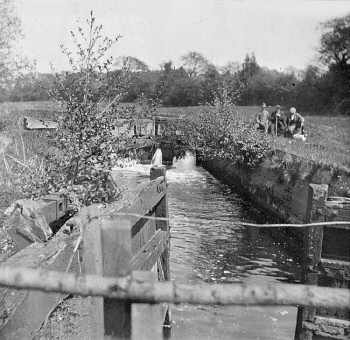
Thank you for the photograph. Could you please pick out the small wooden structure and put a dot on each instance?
(124, 241)
(31, 123)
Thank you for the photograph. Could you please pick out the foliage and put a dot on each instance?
(195, 64)
(176, 88)
(10, 31)
(221, 133)
(335, 41)
(335, 53)
(22, 167)
(85, 146)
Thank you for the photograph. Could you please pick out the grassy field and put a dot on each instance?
(19, 149)
(328, 137)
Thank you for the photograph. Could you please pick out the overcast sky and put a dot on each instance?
(281, 32)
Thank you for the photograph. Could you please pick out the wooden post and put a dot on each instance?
(93, 264)
(312, 249)
(117, 255)
(146, 317)
(156, 125)
(164, 261)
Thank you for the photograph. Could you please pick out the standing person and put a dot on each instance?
(295, 124)
(262, 119)
(277, 123)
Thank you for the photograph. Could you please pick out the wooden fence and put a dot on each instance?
(125, 253)
(119, 244)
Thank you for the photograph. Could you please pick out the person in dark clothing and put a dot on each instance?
(277, 124)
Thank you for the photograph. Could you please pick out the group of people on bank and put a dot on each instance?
(278, 123)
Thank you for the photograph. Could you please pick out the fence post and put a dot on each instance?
(117, 254)
(162, 211)
(92, 264)
(312, 251)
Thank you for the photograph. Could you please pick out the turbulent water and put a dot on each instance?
(209, 245)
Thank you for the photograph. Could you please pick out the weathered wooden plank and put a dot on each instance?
(31, 123)
(141, 202)
(23, 311)
(146, 229)
(147, 256)
(145, 202)
(146, 318)
(161, 211)
(117, 255)
(93, 264)
(85, 216)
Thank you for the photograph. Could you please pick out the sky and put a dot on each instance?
(281, 33)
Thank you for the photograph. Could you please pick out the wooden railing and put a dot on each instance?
(119, 244)
(125, 253)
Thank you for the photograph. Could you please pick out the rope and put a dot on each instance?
(333, 224)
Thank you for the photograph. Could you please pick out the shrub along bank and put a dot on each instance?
(221, 132)
(229, 147)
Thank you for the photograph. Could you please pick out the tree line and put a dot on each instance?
(197, 81)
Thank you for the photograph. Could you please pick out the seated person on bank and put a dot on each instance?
(295, 125)
(262, 119)
(277, 124)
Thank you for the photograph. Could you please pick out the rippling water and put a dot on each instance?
(209, 245)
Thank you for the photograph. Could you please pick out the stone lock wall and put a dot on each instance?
(280, 184)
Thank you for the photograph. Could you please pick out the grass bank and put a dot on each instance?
(328, 137)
